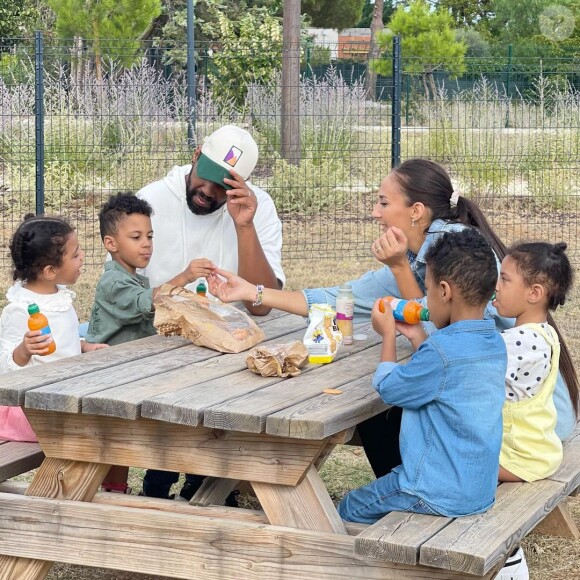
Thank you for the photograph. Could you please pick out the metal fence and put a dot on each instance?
(75, 128)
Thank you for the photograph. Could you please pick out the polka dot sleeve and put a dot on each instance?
(529, 358)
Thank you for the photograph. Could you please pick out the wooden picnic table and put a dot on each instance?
(164, 403)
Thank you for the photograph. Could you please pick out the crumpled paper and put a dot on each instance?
(282, 360)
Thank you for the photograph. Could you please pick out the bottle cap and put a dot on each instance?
(346, 287)
(33, 309)
(424, 314)
(201, 288)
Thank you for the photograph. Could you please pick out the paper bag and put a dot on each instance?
(209, 323)
(282, 360)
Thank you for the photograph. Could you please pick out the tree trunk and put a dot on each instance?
(425, 87)
(376, 26)
(98, 58)
(290, 97)
(76, 72)
(432, 85)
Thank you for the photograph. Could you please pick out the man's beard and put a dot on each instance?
(198, 209)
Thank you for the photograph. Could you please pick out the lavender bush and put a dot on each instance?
(127, 131)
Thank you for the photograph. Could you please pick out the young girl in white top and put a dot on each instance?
(534, 279)
(46, 256)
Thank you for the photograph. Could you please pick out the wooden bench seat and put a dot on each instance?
(476, 544)
(17, 457)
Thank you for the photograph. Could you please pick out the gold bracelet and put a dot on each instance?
(259, 295)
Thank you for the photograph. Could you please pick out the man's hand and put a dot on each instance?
(231, 288)
(90, 346)
(391, 247)
(242, 203)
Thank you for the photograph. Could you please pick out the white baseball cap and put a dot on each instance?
(227, 148)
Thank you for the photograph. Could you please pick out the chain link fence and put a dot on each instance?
(91, 125)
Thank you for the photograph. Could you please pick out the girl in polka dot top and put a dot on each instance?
(534, 279)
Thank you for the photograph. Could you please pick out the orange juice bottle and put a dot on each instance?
(38, 321)
(407, 311)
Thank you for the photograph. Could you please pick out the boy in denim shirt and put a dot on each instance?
(451, 392)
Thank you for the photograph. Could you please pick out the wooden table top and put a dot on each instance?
(169, 379)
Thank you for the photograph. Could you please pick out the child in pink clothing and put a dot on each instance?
(14, 426)
(46, 255)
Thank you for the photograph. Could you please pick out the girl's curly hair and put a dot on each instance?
(38, 242)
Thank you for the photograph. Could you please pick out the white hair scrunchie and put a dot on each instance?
(454, 198)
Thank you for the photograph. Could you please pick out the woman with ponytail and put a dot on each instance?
(416, 204)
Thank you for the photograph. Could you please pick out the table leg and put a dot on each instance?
(213, 491)
(58, 478)
(306, 506)
(324, 455)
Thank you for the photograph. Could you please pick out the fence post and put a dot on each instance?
(396, 104)
(507, 87)
(39, 119)
(407, 92)
(190, 74)
(308, 49)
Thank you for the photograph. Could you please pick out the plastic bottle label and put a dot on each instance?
(398, 307)
(344, 316)
(46, 331)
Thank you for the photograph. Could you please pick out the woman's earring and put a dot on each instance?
(412, 222)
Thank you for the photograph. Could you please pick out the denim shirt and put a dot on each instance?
(375, 284)
(452, 394)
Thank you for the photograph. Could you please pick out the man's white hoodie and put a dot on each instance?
(180, 236)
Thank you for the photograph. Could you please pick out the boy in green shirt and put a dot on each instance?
(123, 308)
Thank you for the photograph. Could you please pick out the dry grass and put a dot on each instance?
(347, 467)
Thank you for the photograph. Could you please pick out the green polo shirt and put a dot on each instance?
(123, 308)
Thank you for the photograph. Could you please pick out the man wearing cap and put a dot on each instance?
(209, 210)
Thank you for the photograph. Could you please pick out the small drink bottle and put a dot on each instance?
(38, 321)
(407, 311)
(201, 289)
(344, 312)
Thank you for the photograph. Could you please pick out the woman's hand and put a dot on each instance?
(90, 346)
(228, 287)
(391, 247)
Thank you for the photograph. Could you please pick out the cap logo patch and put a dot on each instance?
(233, 156)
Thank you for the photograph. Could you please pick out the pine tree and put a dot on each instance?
(333, 14)
(428, 43)
(107, 23)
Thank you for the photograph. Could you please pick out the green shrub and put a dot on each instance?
(309, 187)
(550, 148)
(556, 188)
(14, 69)
(64, 182)
(250, 52)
